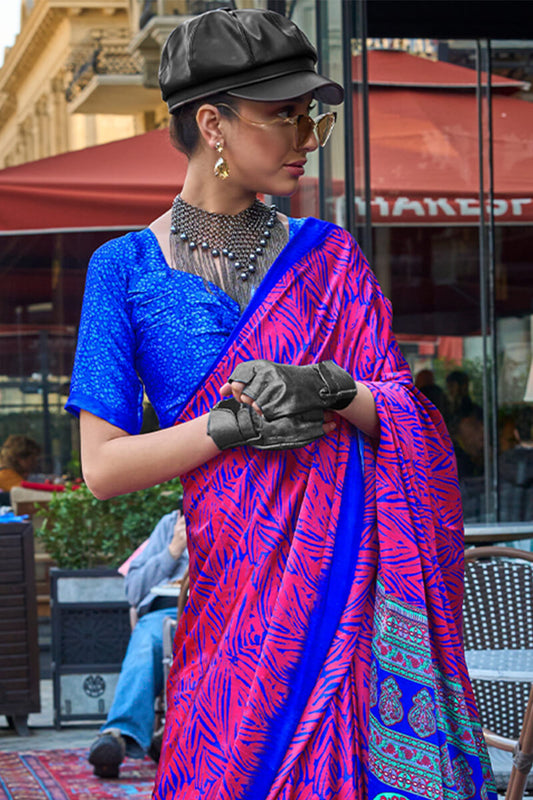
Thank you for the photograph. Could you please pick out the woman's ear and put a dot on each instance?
(208, 119)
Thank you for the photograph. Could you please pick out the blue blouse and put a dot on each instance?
(144, 324)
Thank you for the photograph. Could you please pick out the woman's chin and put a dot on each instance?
(287, 190)
(280, 188)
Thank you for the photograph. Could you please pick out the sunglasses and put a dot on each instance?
(305, 125)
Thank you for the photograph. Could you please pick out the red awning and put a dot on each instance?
(424, 145)
(122, 184)
(424, 153)
(424, 160)
(397, 68)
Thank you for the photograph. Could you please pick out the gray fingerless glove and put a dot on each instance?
(281, 390)
(231, 424)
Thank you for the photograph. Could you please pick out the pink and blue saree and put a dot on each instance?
(319, 656)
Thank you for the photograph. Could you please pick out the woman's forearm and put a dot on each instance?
(116, 463)
(362, 412)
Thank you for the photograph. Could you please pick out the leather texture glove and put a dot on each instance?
(231, 424)
(281, 390)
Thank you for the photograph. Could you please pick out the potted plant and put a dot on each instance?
(88, 539)
(81, 532)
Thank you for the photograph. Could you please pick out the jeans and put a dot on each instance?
(140, 682)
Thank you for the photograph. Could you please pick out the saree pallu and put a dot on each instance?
(319, 656)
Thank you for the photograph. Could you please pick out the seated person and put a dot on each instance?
(460, 403)
(129, 725)
(425, 381)
(468, 442)
(509, 437)
(18, 457)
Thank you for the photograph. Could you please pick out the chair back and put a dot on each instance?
(184, 594)
(498, 615)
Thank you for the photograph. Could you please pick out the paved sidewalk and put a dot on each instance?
(43, 735)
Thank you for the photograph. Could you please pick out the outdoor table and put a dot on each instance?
(510, 665)
(493, 532)
(166, 590)
(500, 665)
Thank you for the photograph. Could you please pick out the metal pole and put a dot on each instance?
(47, 433)
(348, 31)
(484, 316)
(492, 296)
(366, 244)
(320, 25)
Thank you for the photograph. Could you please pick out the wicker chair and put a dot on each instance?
(498, 616)
(171, 623)
(169, 629)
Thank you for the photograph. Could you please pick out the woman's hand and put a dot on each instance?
(178, 543)
(359, 411)
(236, 388)
(232, 424)
(288, 404)
(281, 390)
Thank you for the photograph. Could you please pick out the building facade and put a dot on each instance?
(70, 81)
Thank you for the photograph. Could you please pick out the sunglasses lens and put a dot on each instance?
(321, 126)
(304, 129)
(324, 126)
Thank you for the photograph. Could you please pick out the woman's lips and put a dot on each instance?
(296, 169)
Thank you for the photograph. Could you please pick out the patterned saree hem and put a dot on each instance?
(423, 740)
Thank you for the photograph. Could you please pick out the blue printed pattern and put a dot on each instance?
(265, 531)
(287, 682)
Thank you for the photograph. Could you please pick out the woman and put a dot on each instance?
(319, 655)
(18, 457)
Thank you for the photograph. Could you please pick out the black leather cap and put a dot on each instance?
(250, 53)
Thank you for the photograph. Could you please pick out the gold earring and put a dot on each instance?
(221, 167)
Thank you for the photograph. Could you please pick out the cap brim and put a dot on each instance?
(287, 87)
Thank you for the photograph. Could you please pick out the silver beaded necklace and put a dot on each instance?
(233, 251)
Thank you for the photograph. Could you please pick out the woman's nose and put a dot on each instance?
(311, 143)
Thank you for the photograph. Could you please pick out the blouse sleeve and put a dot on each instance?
(104, 379)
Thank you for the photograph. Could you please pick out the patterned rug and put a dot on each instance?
(66, 775)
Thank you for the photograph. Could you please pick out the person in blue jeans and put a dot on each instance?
(130, 723)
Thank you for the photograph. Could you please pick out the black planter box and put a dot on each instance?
(19, 649)
(90, 635)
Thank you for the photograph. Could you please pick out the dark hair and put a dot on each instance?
(16, 448)
(459, 377)
(184, 133)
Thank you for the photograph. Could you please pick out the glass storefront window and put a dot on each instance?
(43, 277)
(451, 185)
(434, 177)
(512, 123)
(420, 183)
